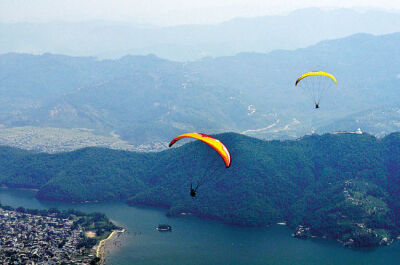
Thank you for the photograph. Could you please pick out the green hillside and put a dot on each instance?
(340, 185)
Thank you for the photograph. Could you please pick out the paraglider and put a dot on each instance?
(216, 144)
(193, 191)
(316, 83)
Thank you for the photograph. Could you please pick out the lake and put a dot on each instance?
(199, 242)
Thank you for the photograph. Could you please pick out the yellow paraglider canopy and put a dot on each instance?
(315, 83)
(316, 73)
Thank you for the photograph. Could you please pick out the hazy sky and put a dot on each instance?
(165, 12)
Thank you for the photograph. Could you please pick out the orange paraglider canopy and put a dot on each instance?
(211, 141)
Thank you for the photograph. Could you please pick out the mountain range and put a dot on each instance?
(104, 39)
(146, 99)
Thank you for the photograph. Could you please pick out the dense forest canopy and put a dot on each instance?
(338, 184)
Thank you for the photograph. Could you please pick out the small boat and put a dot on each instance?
(164, 227)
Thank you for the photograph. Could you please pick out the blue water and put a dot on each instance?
(201, 242)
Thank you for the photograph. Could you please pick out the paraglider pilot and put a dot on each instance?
(216, 144)
(192, 191)
(316, 83)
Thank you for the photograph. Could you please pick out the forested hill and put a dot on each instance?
(340, 185)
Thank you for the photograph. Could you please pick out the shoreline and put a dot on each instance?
(20, 188)
(97, 247)
(100, 250)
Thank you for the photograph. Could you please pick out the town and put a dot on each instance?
(41, 239)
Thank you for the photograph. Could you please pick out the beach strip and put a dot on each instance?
(101, 246)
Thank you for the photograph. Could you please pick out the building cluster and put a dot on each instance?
(54, 140)
(35, 239)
